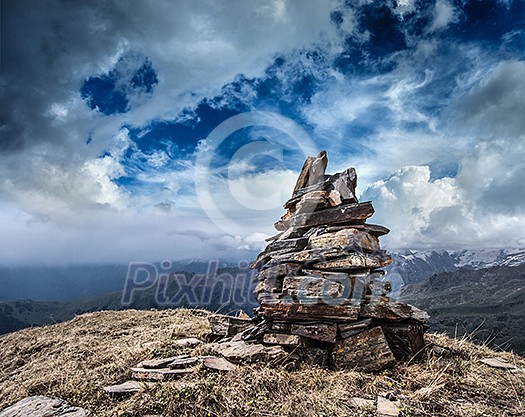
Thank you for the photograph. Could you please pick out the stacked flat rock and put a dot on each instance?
(321, 289)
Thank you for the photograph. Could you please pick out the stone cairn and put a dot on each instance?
(323, 296)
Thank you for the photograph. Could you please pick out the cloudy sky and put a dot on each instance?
(149, 130)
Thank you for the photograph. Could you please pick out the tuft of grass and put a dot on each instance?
(75, 359)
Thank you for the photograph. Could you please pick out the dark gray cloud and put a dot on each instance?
(433, 123)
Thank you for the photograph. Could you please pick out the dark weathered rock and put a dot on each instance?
(256, 332)
(359, 324)
(266, 256)
(366, 351)
(41, 406)
(239, 352)
(320, 186)
(318, 331)
(345, 183)
(349, 213)
(266, 298)
(312, 171)
(378, 288)
(223, 326)
(310, 201)
(350, 333)
(294, 244)
(405, 339)
(270, 285)
(295, 311)
(283, 339)
(394, 311)
(312, 355)
(373, 229)
(279, 270)
(218, 364)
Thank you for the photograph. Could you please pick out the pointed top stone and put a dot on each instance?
(312, 171)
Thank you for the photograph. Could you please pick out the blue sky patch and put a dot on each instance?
(110, 93)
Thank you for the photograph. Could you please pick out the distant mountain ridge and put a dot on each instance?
(459, 288)
(417, 265)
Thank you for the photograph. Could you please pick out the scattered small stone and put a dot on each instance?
(160, 363)
(128, 387)
(361, 402)
(386, 408)
(498, 363)
(218, 364)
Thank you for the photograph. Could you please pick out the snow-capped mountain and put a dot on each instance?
(416, 265)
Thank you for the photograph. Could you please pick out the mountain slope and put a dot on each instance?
(225, 293)
(487, 303)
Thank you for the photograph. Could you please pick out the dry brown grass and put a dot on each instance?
(74, 360)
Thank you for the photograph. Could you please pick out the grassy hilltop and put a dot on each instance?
(75, 359)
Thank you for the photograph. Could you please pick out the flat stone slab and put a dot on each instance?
(160, 363)
(296, 311)
(355, 213)
(218, 364)
(294, 244)
(394, 311)
(128, 387)
(183, 363)
(40, 406)
(367, 351)
(351, 329)
(318, 289)
(345, 238)
(355, 261)
(159, 374)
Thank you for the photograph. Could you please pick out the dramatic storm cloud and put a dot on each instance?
(121, 138)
